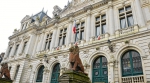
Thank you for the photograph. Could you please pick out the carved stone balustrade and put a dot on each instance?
(127, 31)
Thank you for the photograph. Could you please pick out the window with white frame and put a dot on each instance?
(100, 25)
(79, 31)
(24, 26)
(48, 41)
(126, 17)
(24, 47)
(62, 36)
(16, 50)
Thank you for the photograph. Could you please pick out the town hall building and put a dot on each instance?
(113, 38)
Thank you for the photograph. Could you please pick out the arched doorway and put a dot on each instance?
(55, 73)
(100, 71)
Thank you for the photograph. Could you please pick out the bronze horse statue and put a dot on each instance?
(4, 71)
(74, 59)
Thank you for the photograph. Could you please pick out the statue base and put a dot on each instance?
(70, 76)
(4, 80)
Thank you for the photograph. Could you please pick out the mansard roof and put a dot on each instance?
(39, 16)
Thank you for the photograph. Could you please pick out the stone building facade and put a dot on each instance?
(113, 37)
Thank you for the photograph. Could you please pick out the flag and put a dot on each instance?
(74, 27)
(98, 38)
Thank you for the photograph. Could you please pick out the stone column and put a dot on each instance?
(69, 31)
(111, 18)
(54, 36)
(43, 43)
(40, 41)
(45, 75)
(13, 50)
(140, 16)
(88, 27)
(31, 44)
(112, 71)
(57, 37)
(21, 46)
(35, 45)
(29, 74)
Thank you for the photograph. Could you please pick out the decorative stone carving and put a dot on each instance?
(111, 46)
(112, 60)
(56, 11)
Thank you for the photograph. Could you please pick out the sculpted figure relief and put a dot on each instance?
(4, 71)
(74, 59)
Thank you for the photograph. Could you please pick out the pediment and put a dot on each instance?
(25, 18)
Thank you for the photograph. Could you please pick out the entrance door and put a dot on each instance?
(55, 73)
(100, 72)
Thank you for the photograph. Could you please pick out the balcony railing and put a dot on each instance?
(127, 31)
(133, 79)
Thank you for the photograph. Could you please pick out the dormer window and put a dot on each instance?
(24, 26)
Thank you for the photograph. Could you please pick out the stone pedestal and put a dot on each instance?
(71, 76)
(3, 80)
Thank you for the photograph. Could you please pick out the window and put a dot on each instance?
(16, 50)
(48, 41)
(62, 36)
(9, 51)
(24, 26)
(16, 72)
(131, 64)
(125, 16)
(55, 73)
(100, 25)
(40, 74)
(24, 47)
(80, 31)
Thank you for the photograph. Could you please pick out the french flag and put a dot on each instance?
(74, 27)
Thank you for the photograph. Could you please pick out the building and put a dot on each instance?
(113, 37)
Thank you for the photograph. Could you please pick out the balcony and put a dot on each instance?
(101, 37)
(127, 31)
(133, 79)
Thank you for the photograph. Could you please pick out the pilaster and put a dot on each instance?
(69, 30)
(54, 36)
(139, 14)
(45, 75)
(88, 27)
(111, 18)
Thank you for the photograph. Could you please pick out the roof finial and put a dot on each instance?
(32, 15)
(68, 2)
(46, 12)
(43, 9)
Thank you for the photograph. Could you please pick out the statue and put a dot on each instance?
(74, 59)
(4, 71)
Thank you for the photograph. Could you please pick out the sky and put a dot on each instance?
(13, 11)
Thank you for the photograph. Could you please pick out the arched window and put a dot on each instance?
(131, 64)
(55, 73)
(100, 72)
(40, 74)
